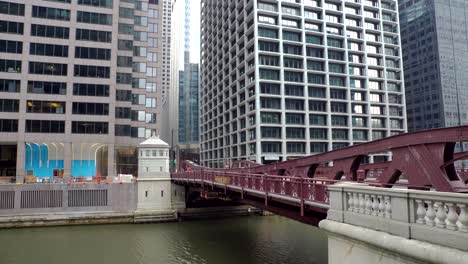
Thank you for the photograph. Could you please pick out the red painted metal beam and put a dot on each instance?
(424, 158)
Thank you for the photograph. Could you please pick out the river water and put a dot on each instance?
(256, 239)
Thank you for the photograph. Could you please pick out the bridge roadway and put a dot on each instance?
(298, 198)
(423, 160)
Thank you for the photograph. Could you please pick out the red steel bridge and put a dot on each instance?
(298, 188)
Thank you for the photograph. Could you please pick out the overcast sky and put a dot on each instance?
(195, 31)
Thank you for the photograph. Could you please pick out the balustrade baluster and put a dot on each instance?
(375, 205)
(452, 217)
(388, 207)
(420, 212)
(381, 206)
(463, 218)
(368, 209)
(356, 203)
(441, 215)
(430, 214)
(350, 202)
(362, 204)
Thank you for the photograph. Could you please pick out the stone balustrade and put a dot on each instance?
(435, 217)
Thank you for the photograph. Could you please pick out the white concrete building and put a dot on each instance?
(282, 79)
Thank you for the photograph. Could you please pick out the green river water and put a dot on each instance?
(256, 239)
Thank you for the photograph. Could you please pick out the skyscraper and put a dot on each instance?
(284, 79)
(435, 54)
(80, 84)
(184, 94)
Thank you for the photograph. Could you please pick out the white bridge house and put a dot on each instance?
(155, 190)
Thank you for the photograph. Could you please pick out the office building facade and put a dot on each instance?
(435, 56)
(189, 108)
(80, 85)
(285, 79)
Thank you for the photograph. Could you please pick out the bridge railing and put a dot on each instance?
(295, 188)
(436, 217)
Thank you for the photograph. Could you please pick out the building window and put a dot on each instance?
(124, 78)
(90, 108)
(318, 147)
(50, 31)
(294, 104)
(123, 112)
(9, 105)
(47, 68)
(295, 133)
(318, 120)
(318, 133)
(88, 89)
(10, 46)
(269, 74)
(270, 118)
(46, 107)
(90, 127)
(8, 125)
(45, 126)
(41, 49)
(318, 106)
(271, 147)
(10, 86)
(39, 87)
(96, 3)
(122, 130)
(271, 132)
(51, 13)
(294, 90)
(124, 44)
(338, 107)
(94, 18)
(268, 33)
(295, 147)
(270, 88)
(123, 95)
(272, 103)
(92, 71)
(340, 134)
(11, 66)
(11, 27)
(315, 78)
(93, 35)
(359, 122)
(11, 8)
(92, 53)
(293, 76)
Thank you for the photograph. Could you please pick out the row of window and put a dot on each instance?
(298, 77)
(56, 32)
(78, 127)
(56, 69)
(320, 133)
(54, 107)
(60, 88)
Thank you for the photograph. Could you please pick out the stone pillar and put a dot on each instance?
(20, 162)
(111, 173)
(67, 160)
